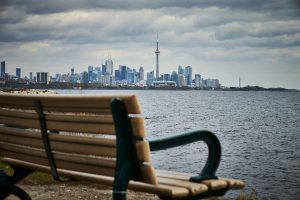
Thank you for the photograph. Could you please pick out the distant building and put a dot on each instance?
(117, 75)
(18, 73)
(164, 84)
(166, 77)
(141, 73)
(212, 83)
(198, 82)
(150, 78)
(2, 68)
(181, 80)
(174, 77)
(84, 77)
(123, 72)
(109, 66)
(103, 69)
(188, 75)
(90, 73)
(42, 77)
(30, 76)
(180, 70)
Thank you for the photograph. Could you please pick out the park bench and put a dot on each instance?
(99, 139)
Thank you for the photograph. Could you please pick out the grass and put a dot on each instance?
(34, 178)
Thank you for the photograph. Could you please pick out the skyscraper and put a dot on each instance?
(150, 78)
(157, 52)
(141, 73)
(2, 68)
(198, 80)
(90, 72)
(180, 70)
(18, 72)
(109, 66)
(188, 75)
(42, 77)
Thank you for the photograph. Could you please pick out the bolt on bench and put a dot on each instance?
(100, 139)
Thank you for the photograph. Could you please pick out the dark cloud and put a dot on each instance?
(53, 6)
(76, 31)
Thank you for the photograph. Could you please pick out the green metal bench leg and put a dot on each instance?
(7, 186)
(127, 164)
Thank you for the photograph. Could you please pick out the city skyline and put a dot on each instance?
(257, 41)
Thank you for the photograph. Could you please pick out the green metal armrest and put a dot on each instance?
(214, 150)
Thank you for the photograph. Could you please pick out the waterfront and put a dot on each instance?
(259, 133)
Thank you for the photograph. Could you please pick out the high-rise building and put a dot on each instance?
(174, 77)
(90, 72)
(123, 72)
(85, 77)
(150, 78)
(180, 70)
(109, 66)
(42, 77)
(72, 71)
(157, 52)
(166, 77)
(188, 75)
(181, 80)
(117, 75)
(30, 76)
(141, 73)
(198, 80)
(2, 68)
(18, 72)
(103, 69)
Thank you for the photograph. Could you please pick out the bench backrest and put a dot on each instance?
(86, 141)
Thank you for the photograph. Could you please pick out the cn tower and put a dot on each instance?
(157, 52)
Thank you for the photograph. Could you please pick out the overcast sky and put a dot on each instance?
(257, 40)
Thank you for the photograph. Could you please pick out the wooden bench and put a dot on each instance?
(100, 139)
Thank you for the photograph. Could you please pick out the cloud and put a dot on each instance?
(80, 33)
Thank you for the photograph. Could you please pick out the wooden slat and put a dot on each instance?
(148, 173)
(138, 127)
(72, 117)
(212, 184)
(63, 143)
(83, 149)
(24, 157)
(32, 142)
(234, 183)
(143, 151)
(194, 188)
(64, 161)
(78, 103)
(81, 127)
(18, 113)
(20, 122)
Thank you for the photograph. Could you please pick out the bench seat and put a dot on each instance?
(170, 184)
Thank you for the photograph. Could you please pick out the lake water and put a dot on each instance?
(259, 134)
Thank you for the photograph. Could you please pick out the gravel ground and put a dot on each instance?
(76, 190)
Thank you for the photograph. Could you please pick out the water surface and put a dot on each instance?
(258, 130)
